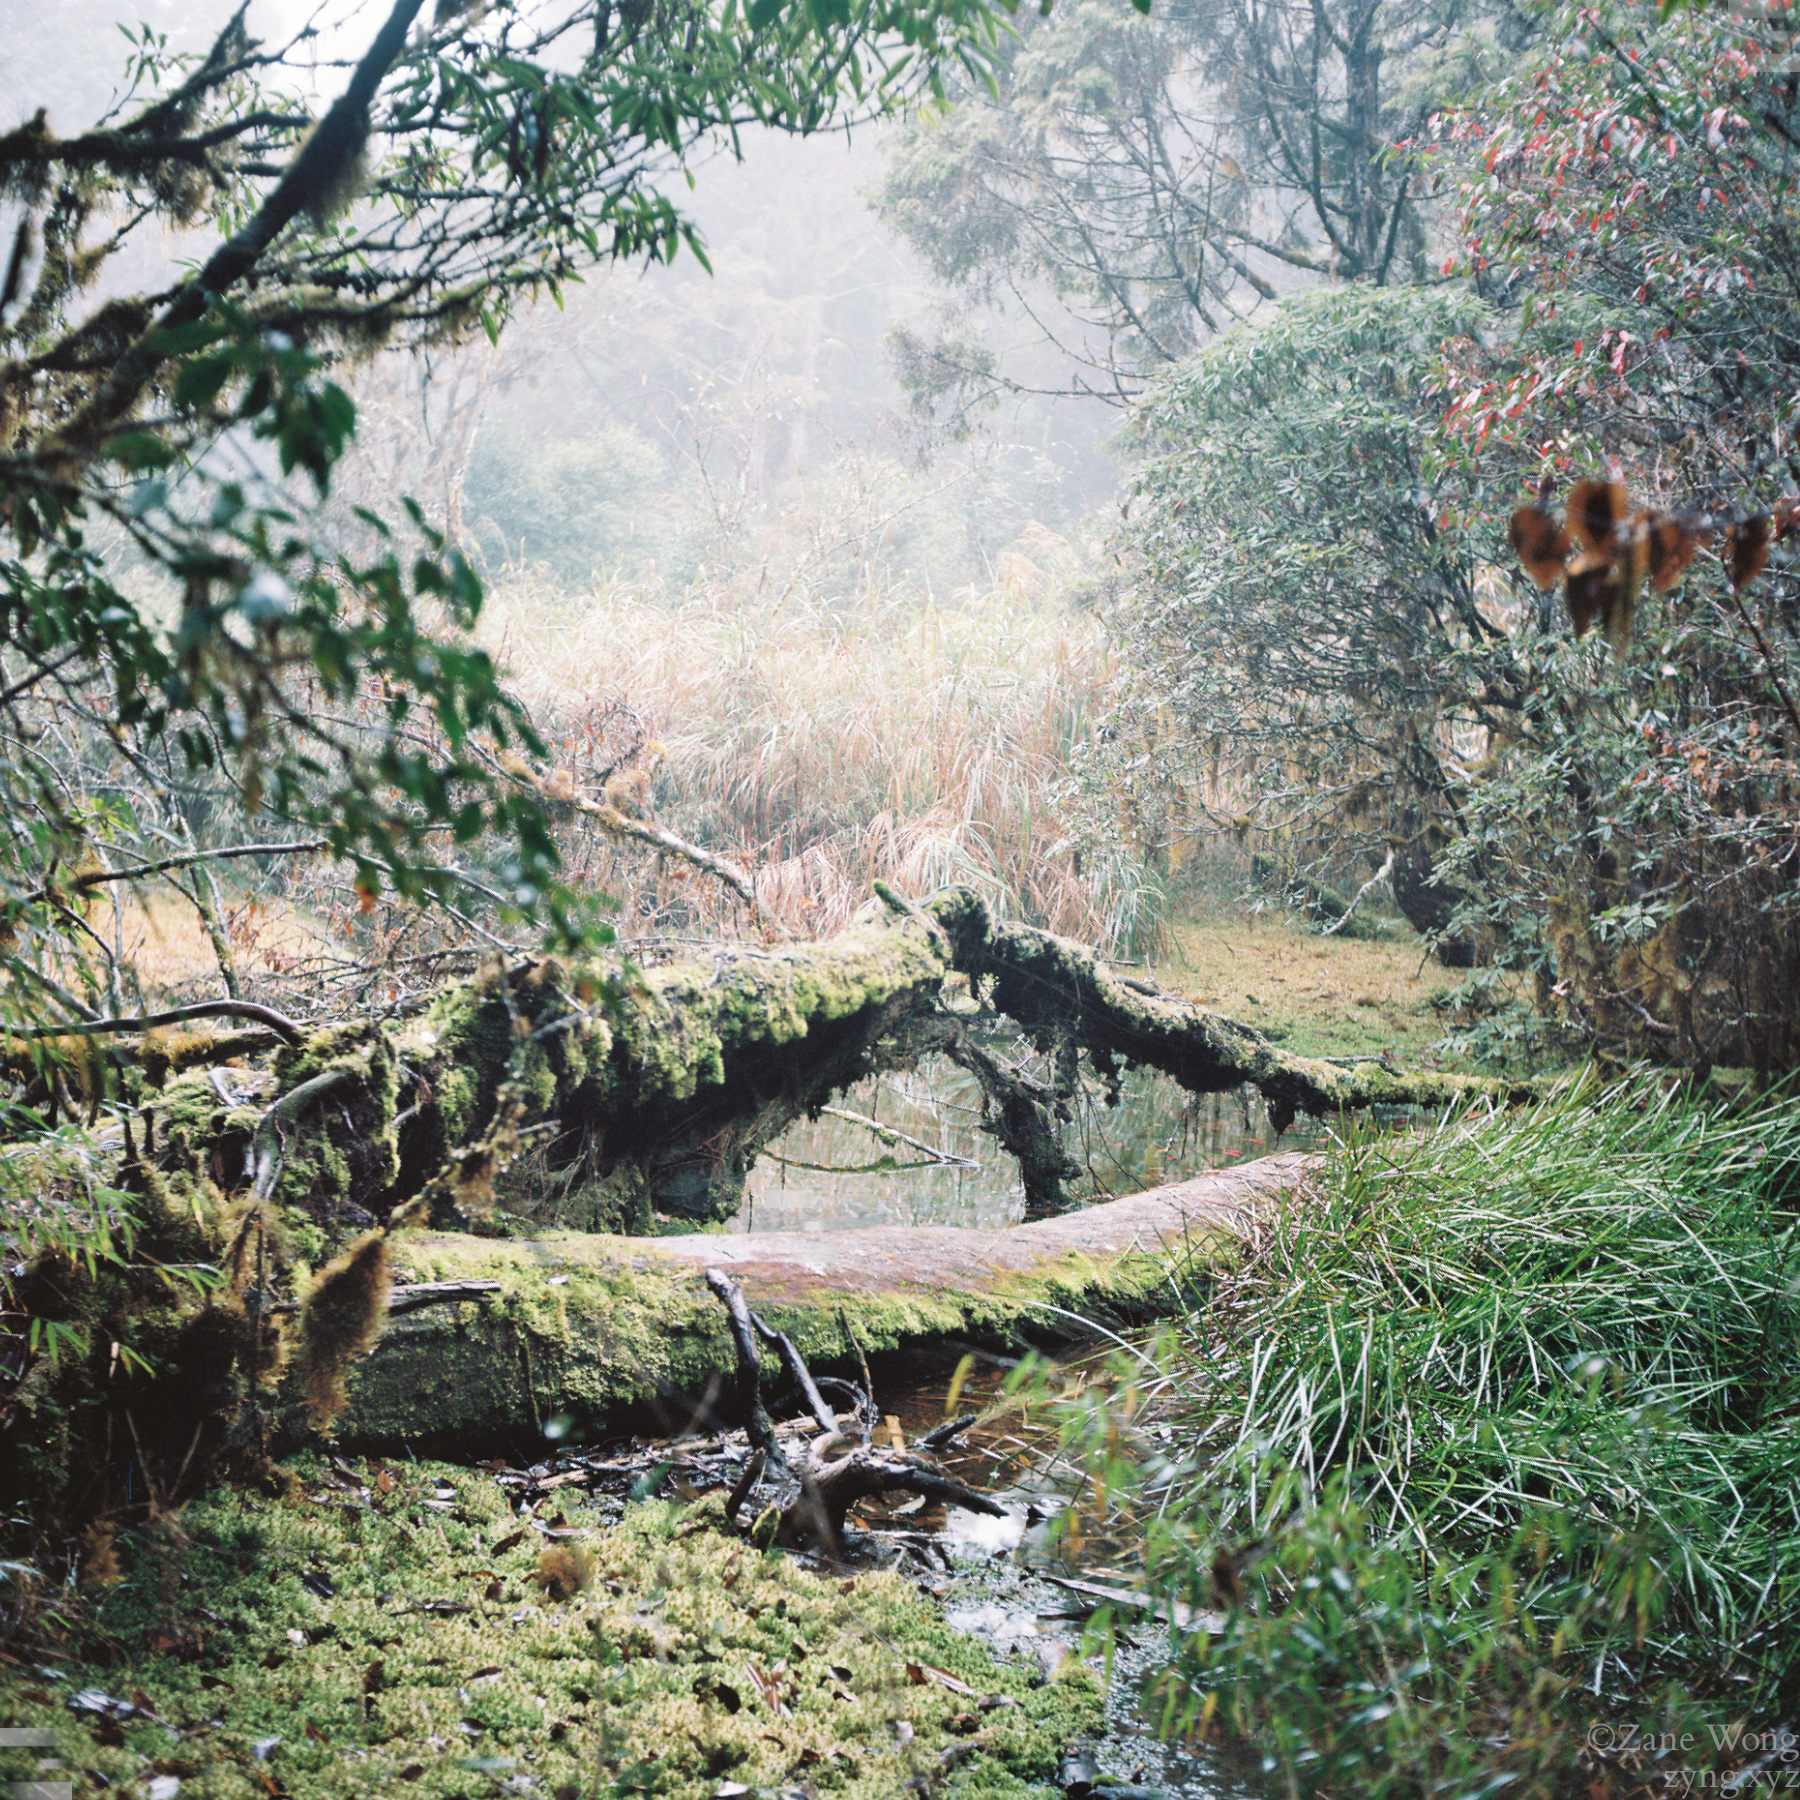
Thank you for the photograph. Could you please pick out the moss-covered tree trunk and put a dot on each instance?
(658, 1087)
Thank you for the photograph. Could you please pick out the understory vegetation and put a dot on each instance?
(1481, 1457)
(827, 735)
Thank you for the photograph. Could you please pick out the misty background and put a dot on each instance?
(668, 423)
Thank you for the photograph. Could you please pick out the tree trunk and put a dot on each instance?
(659, 1086)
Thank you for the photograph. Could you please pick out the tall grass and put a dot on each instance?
(1489, 1450)
(825, 739)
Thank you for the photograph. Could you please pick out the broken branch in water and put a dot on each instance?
(826, 1490)
(795, 1364)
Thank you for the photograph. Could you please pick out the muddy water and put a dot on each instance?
(818, 1177)
(996, 1577)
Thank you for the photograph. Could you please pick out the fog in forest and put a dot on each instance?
(666, 420)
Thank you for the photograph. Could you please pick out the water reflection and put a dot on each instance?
(817, 1176)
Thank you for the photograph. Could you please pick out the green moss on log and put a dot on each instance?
(1061, 991)
(586, 1326)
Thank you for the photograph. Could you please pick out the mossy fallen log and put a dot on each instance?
(583, 1326)
(1060, 992)
(658, 1088)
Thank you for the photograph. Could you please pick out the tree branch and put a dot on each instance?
(289, 1029)
(315, 166)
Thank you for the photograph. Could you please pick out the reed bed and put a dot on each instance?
(825, 741)
(1487, 1451)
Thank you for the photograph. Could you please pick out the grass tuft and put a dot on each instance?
(1487, 1450)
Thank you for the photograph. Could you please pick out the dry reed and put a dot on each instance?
(827, 741)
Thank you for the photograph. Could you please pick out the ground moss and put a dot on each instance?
(381, 1631)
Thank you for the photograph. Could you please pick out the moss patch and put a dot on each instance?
(1314, 995)
(381, 1631)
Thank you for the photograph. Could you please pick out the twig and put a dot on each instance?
(798, 1372)
(1375, 880)
(868, 1423)
(81, 883)
(267, 1152)
(939, 1435)
(658, 837)
(416, 1295)
(746, 1484)
(289, 1029)
(889, 1135)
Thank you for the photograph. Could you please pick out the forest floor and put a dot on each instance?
(1316, 996)
(418, 1629)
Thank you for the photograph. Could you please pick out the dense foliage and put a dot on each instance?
(1629, 197)
(1302, 615)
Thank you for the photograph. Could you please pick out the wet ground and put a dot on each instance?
(1004, 1580)
(1009, 1581)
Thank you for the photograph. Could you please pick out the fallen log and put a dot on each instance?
(657, 1088)
(586, 1327)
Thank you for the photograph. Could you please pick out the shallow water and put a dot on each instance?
(999, 1585)
(816, 1178)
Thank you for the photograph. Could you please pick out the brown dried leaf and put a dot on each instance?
(1591, 586)
(766, 1686)
(1747, 544)
(1540, 543)
(1596, 510)
(1670, 544)
(920, 1673)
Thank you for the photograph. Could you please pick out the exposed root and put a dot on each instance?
(826, 1489)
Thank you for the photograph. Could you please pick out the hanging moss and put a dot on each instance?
(344, 1312)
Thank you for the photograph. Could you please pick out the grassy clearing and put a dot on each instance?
(397, 1630)
(162, 941)
(1318, 996)
(1488, 1449)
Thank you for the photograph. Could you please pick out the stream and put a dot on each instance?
(818, 1176)
(997, 1577)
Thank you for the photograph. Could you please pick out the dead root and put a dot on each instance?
(816, 1497)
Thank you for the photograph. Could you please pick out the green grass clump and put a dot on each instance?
(396, 1630)
(1487, 1452)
